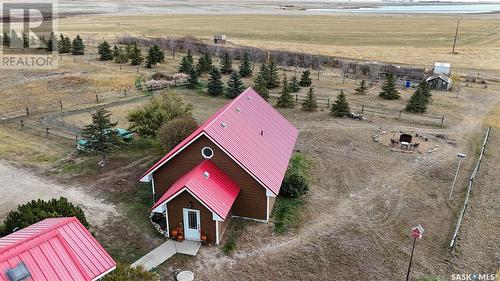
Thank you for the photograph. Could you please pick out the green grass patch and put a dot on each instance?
(236, 229)
(301, 164)
(286, 214)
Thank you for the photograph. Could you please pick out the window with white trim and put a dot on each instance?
(207, 152)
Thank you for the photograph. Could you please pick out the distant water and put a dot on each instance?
(420, 9)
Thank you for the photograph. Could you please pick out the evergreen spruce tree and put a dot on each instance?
(272, 78)
(67, 45)
(51, 43)
(305, 79)
(426, 90)
(294, 85)
(389, 91)
(215, 86)
(246, 66)
(234, 85)
(362, 89)
(121, 55)
(135, 55)
(101, 135)
(260, 85)
(26, 40)
(78, 48)
(192, 79)
(155, 56)
(61, 44)
(417, 102)
(104, 51)
(341, 106)
(226, 64)
(186, 64)
(15, 41)
(310, 104)
(285, 99)
(204, 64)
(189, 57)
(5, 40)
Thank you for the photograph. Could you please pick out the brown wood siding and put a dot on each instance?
(251, 201)
(175, 214)
(223, 224)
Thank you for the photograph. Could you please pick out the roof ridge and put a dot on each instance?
(225, 108)
(65, 220)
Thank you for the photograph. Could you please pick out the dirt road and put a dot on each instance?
(19, 186)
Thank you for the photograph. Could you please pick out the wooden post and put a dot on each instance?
(60, 104)
(47, 131)
(400, 114)
(22, 123)
(362, 109)
(296, 98)
(328, 103)
(442, 121)
(27, 111)
(96, 98)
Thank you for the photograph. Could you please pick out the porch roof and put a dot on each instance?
(209, 185)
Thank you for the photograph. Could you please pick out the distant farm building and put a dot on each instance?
(219, 39)
(439, 82)
(442, 68)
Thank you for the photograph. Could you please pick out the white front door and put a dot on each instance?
(192, 224)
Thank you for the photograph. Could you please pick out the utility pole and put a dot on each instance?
(460, 157)
(455, 39)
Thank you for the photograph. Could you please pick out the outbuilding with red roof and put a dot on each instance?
(51, 250)
(231, 166)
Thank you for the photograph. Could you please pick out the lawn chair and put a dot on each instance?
(414, 146)
(394, 142)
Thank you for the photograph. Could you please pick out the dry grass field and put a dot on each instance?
(406, 39)
(364, 197)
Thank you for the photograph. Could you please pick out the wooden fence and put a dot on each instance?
(470, 188)
(373, 110)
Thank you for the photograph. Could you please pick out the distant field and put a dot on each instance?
(411, 39)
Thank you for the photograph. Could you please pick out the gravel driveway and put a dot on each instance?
(18, 186)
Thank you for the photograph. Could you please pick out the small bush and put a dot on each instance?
(123, 272)
(229, 247)
(37, 210)
(286, 214)
(174, 131)
(294, 185)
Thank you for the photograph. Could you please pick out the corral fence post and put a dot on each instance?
(362, 109)
(61, 104)
(400, 114)
(96, 98)
(296, 98)
(328, 104)
(27, 111)
(47, 131)
(442, 121)
(22, 123)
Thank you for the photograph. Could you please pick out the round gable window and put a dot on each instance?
(207, 152)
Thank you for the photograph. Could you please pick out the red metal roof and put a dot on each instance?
(250, 130)
(55, 249)
(209, 185)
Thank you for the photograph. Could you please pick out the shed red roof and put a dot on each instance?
(55, 249)
(207, 183)
(253, 133)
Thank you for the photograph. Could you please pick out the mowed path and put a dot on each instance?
(18, 186)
